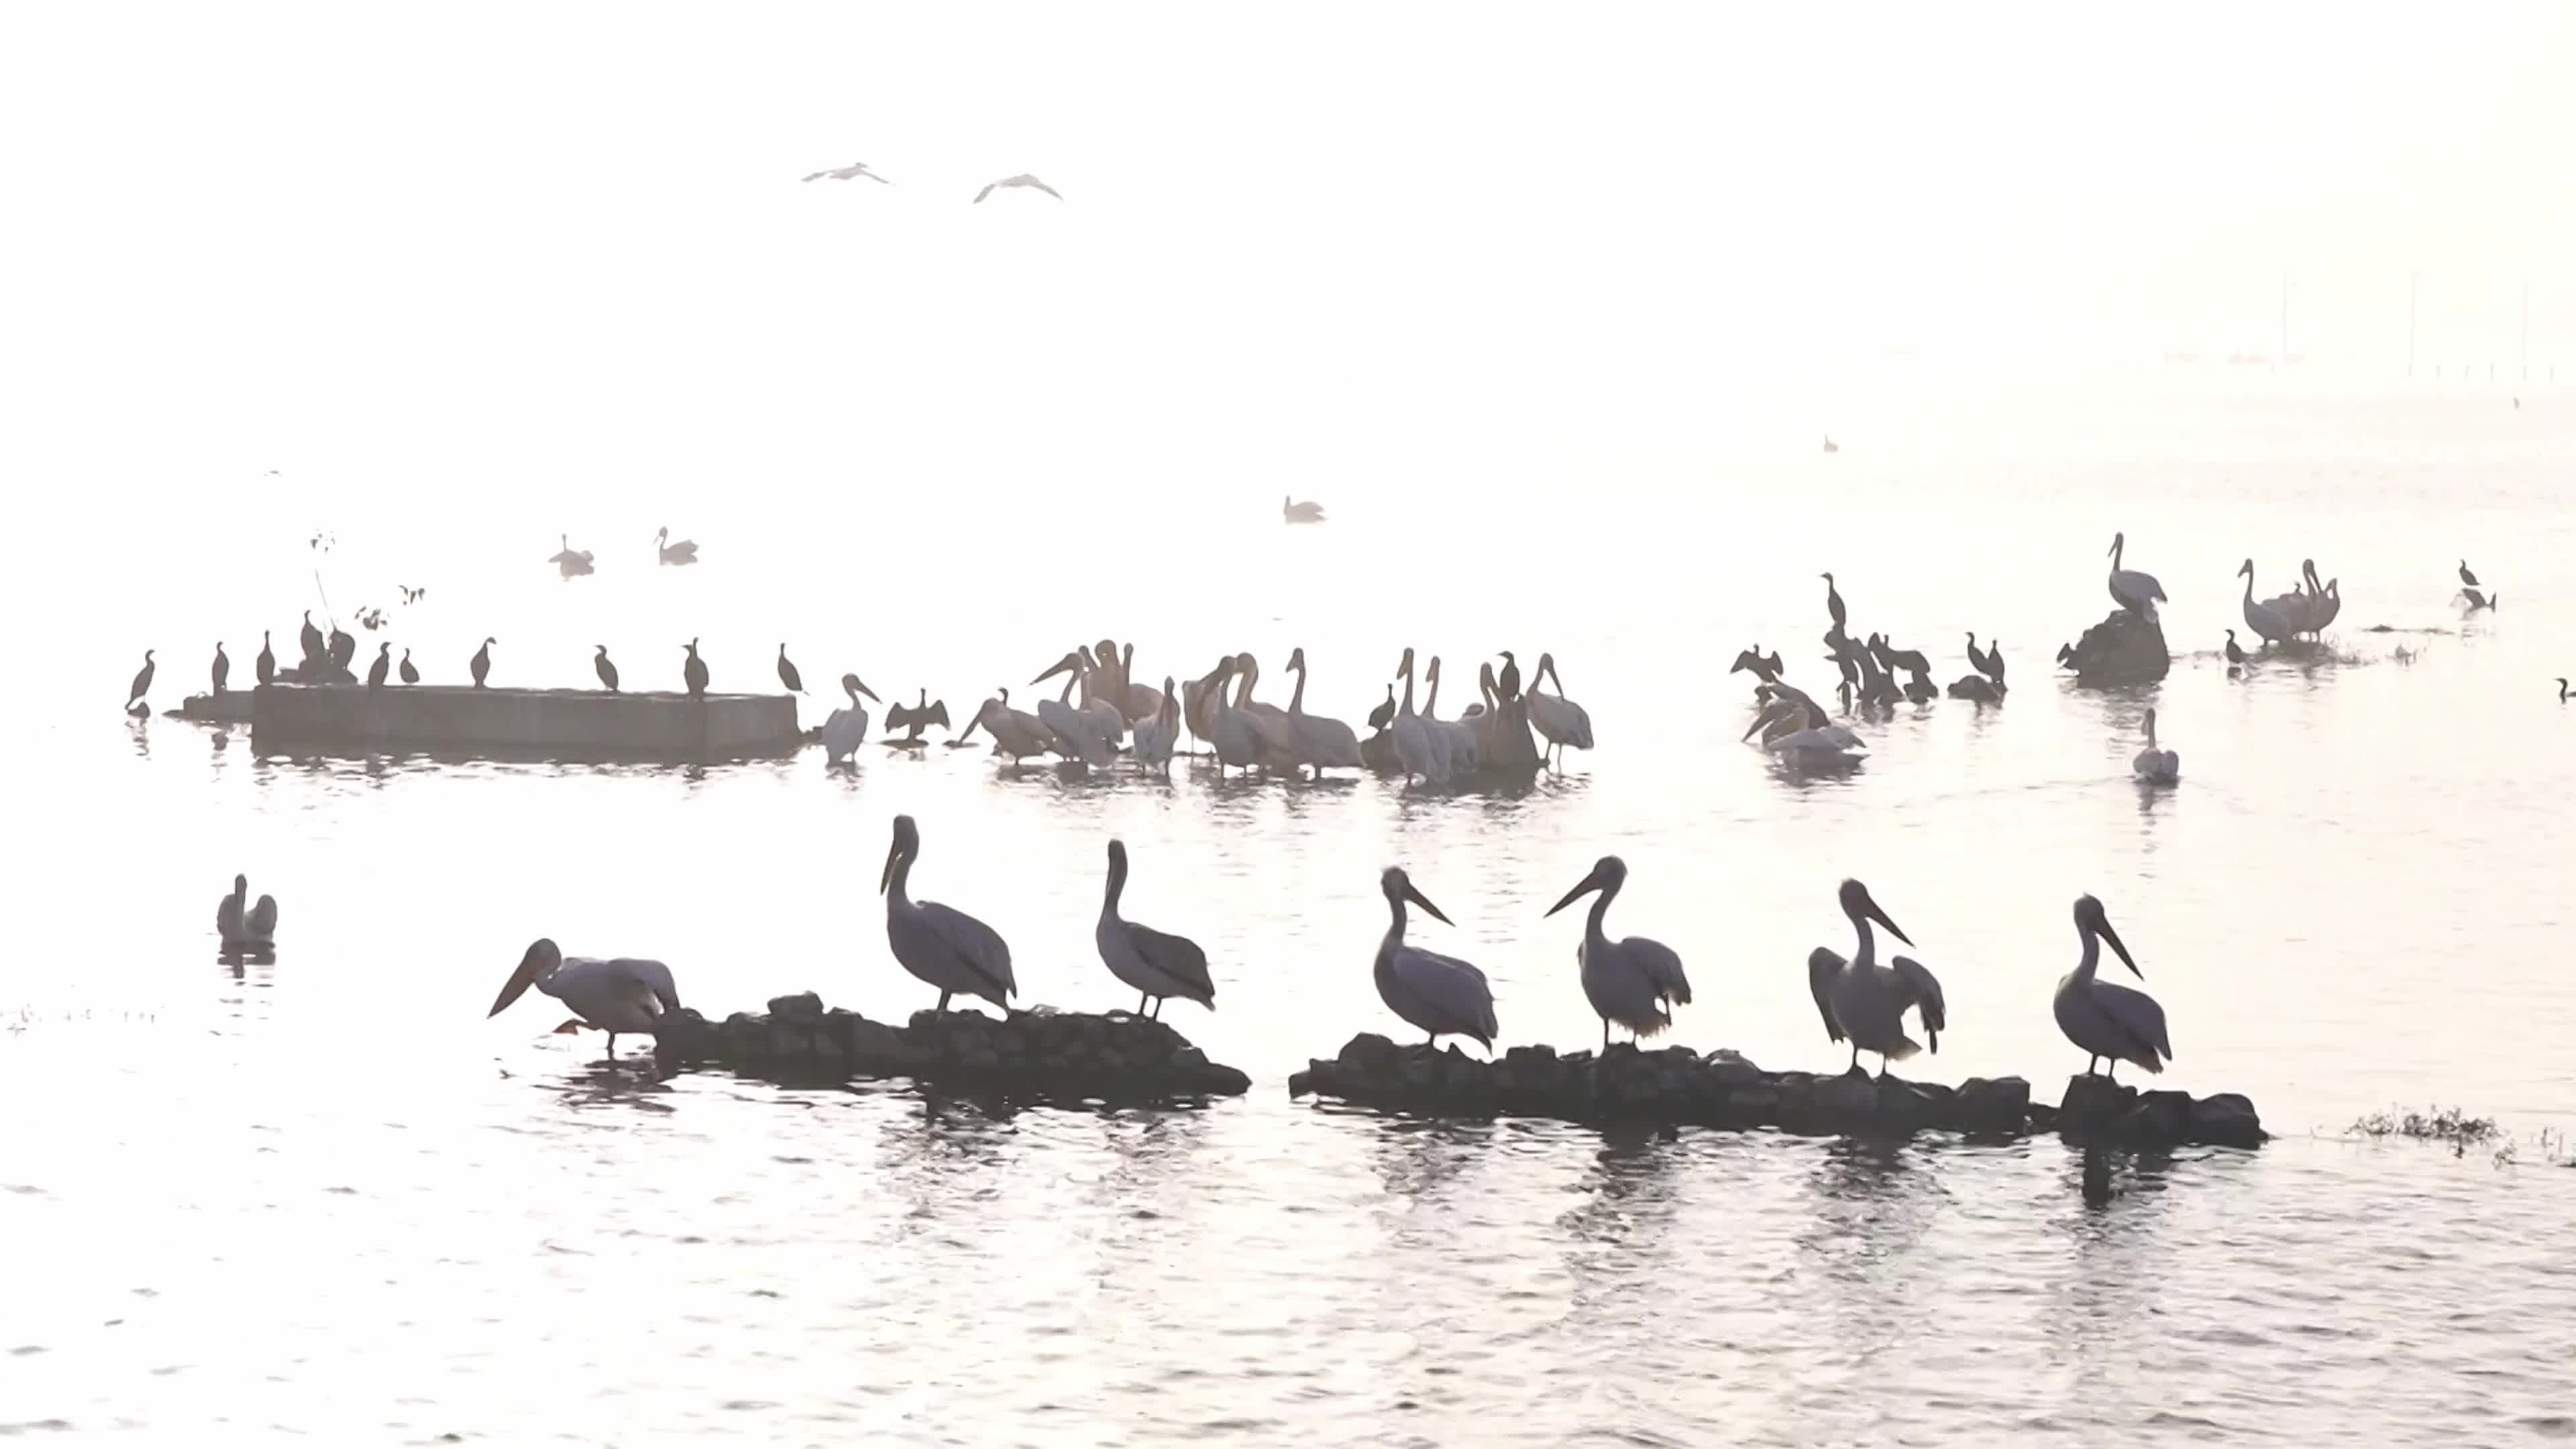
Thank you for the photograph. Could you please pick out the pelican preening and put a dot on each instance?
(677, 555)
(606, 671)
(619, 995)
(911, 718)
(1866, 1002)
(2155, 766)
(851, 172)
(243, 926)
(846, 728)
(481, 664)
(2139, 593)
(1088, 732)
(1023, 179)
(693, 671)
(2111, 1021)
(142, 682)
(1797, 729)
(1438, 994)
(1016, 732)
(1154, 965)
(1156, 737)
(943, 946)
(1633, 981)
(570, 563)
(1295, 512)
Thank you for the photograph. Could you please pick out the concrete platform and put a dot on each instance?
(230, 707)
(581, 722)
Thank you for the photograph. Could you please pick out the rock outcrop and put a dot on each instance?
(1117, 1057)
(2125, 648)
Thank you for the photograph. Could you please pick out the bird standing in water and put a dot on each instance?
(2235, 652)
(142, 682)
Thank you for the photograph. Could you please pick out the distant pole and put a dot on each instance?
(2285, 319)
(2526, 332)
(2411, 279)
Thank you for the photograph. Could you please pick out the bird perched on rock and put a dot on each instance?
(606, 671)
(694, 672)
(787, 674)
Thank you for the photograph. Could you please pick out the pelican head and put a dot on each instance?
(1606, 875)
(241, 883)
(907, 844)
(1399, 889)
(2090, 921)
(2118, 542)
(1405, 669)
(852, 684)
(2245, 570)
(662, 534)
(1858, 906)
(1071, 660)
(1297, 657)
(540, 962)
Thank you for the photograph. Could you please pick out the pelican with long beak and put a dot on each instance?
(1559, 720)
(940, 944)
(1867, 1002)
(2137, 592)
(1016, 732)
(622, 994)
(846, 728)
(2111, 1021)
(1438, 994)
(1156, 966)
(1633, 981)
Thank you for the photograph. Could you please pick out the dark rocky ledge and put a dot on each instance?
(2125, 648)
(1117, 1057)
(1678, 1086)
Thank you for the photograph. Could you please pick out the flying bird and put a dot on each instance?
(1023, 179)
(851, 172)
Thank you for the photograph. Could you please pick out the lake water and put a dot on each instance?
(328, 1197)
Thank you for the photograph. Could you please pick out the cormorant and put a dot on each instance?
(1384, 715)
(1509, 686)
(2235, 652)
(787, 674)
(344, 647)
(2467, 577)
(409, 674)
(1834, 602)
(312, 640)
(223, 667)
(607, 671)
(142, 681)
(694, 672)
(267, 662)
(482, 662)
(913, 717)
(383, 666)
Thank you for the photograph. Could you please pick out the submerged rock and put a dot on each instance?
(1117, 1057)
(2125, 648)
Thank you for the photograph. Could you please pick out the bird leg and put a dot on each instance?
(612, 1049)
(1605, 1036)
(1140, 1003)
(2093, 1064)
(943, 1001)
(2113, 1074)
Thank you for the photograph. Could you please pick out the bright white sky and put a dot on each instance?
(571, 236)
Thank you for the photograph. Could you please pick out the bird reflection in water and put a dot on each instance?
(1417, 1159)
(1628, 1198)
(2106, 1289)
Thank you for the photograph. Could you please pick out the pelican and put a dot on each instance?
(675, 554)
(943, 946)
(1559, 720)
(1453, 743)
(607, 672)
(1016, 732)
(1277, 747)
(1796, 729)
(1231, 733)
(1321, 741)
(1633, 981)
(1416, 751)
(1138, 702)
(2139, 593)
(623, 994)
(481, 663)
(2235, 652)
(223, 669)
(851, 172)
(2155, 766)
(1078, 734)
(2325, 601)
(1434, 993)
(409, 674)
(1867, 1002)
(1295, 512)
(383, 666)
(1834, 603)
(1158, 967)
(265, 667)
(1156, 737)
(787, 673)
(913, 717)
(2111, 1021)
(846, 728)
(1199, 697)
(1976, 687)
(2467, 579)
(693, 671)
(254, 928)
(142, 681)
(2263, 619)
(570, 563)
(1023, 179)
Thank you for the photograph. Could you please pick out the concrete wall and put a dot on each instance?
(571, 721)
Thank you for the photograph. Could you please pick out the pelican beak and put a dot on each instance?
(1893, 929)
(520, 981)
(870, 693)
(2113, 937)
(1759, 721)
(1590, 884)
(885, 877)
(1419, 899)
(1067, 662)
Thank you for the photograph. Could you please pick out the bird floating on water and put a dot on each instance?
(2107, 1020)
(621, 994)
(2236, 652)
(246, 929)
(1296, 512)
(1438, 994)
(940, 944)
(1866, 1002)
(2155, 766)
(570, 563)
(1153, 964)
(677, 555)
(851, 172)
(1023, 179)
(1634, 981)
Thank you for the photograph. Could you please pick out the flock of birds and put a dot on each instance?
(1632, 982)
(858, 170)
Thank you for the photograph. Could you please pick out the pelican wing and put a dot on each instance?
(1923, 992)
(1327, 741)
(974, 946)
(987, 191)
(1822, 967)
(1662, 965)
(228, 918)
(1450, 989)
(261, 923)
(1178, 957)
(2138, 1018)
(624, 993)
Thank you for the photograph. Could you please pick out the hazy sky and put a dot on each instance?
(572, 235)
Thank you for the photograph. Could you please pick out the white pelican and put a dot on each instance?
(1230, 733)
(2155, 766)
(1415, 749)
(1077, 730)
(1155, 965)
(846, 728)
(2139, 593)
(1277, 746)
(1023, 179)
(1798, 730)
(1321, 741)
(1454, 743)
(1633, 981)
(1199, 697)
(142, 681)
(254, 928)
(1102, 694)
(619, 995)
(1558, 720)
(1156, 737)
(1295, 512)
(943, 946)
(1138, 702)
(1016, 732)
(570, 563)
(851, 172)
(2263, 619)
(1867, 1002)
(2325, 601)
(2106, 1020)
(674, 554)
(1434, 993)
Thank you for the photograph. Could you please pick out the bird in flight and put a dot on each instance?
(851, 172)
(1023, 179)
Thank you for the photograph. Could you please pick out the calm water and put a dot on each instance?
(328, 1197)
